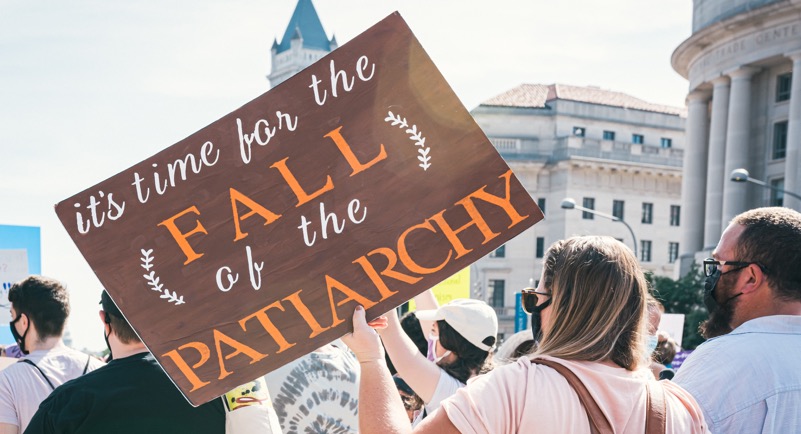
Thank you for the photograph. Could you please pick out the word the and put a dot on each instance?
(341, 76)
(181, 165)
(325, 219)
(239, 199)
(262, 126)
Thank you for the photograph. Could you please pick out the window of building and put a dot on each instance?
(647, 213)
(779, 140)
(618, 208)
(777, 197)
(645, 251)
(541, 204)
(589, 203)
(784, 84)
(500, 252)
(540, 247)
(666, 142)
(637, 139)
(497, 286)
(579, 131)
(675, 215)
(609, 135)
(673, 252)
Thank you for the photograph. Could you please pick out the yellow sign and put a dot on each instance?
(456, 286)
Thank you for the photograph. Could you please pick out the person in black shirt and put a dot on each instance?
(131, 394)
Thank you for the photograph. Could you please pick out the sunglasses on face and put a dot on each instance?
(531, 298)
(711, 266)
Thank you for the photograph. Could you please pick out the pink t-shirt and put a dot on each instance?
(524, 397)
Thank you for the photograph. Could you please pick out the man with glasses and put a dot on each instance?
(746, 377)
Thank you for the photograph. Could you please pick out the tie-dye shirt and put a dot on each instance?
(318, 393)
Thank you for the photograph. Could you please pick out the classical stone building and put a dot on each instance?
(744, 111)
(304, 43)
(607, 150)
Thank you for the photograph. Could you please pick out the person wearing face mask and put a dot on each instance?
(132, 394)
(39, 308)
(746, 377)
(588, 370)
(461, 336)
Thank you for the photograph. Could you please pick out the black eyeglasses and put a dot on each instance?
(711, 265)
(530, 298)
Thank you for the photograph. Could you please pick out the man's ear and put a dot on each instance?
(754, 278)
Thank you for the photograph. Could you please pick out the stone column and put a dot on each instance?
(737, 140)
(792, 167)
(693, 182)
(715, 163)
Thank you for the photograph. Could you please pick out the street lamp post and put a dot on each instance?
(569, 203)
(741, 175)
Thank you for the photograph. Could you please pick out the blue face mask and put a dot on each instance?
(650, 345)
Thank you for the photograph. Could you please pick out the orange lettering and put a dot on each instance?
(240, 348)
(184, 367)
(379, 283)
(293, 183)
(268, 325)
(332, 283)
(347, 152)
(306, 314)
(255, 208)
(407, 260)
(503, 202)
(180, 237)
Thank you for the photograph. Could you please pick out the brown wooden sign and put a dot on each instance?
(361, 180)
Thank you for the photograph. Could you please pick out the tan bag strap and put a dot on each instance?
(599, 424)
(655, 419)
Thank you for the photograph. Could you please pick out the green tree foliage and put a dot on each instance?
(686, 296)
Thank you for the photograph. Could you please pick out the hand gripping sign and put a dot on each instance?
(362, 180)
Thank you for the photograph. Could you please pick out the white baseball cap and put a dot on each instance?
(475, 320)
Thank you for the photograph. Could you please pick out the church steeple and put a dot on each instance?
(304, 42)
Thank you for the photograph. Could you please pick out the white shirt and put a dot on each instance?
(749, 381)
(23, 388)
(446, 387)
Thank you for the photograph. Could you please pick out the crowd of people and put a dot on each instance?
(593, 360)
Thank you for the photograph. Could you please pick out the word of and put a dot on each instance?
(353, 208)
(262, 126)
(340, 76)
(253, 268)
(161, 185)
(114, 209)
(436, 230)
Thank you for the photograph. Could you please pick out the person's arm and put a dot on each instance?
(426, 301)
(7, 428)
(380, 406)
(420, 374)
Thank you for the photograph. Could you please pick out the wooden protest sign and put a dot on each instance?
(361, 180)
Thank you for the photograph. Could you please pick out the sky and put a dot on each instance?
(89, 88)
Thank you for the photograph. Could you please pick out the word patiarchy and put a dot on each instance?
(246, 344)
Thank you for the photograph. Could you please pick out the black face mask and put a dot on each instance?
(536, 321)
(20, 339)
(720, 313)
(711, 303)
(107, 320)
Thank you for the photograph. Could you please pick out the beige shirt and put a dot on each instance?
(23, 388)
(524, 397)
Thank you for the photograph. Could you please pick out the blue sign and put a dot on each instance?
(20, 256)
(521, 317)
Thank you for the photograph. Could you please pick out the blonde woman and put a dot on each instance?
(592, 302)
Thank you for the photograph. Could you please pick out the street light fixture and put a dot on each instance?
(741, 175)
(570, 203)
